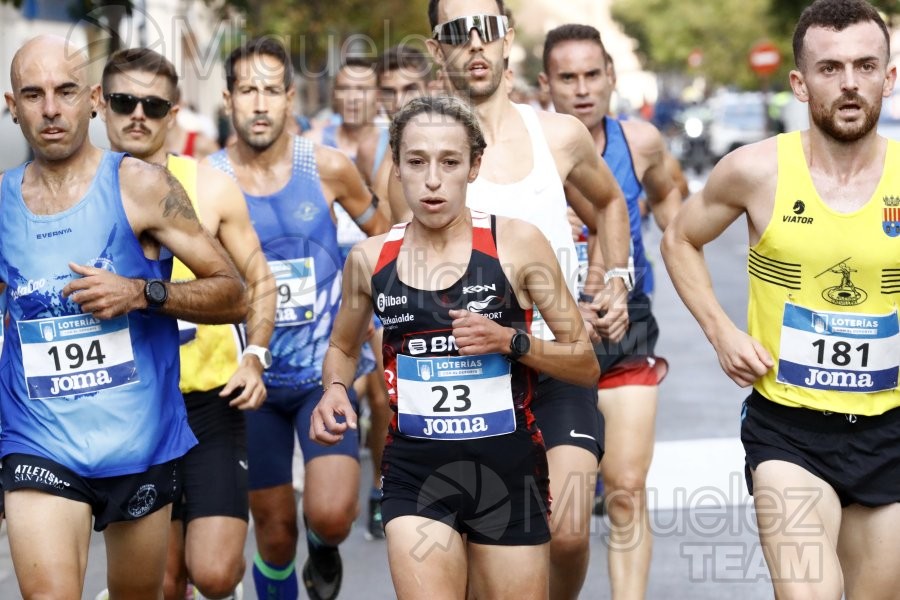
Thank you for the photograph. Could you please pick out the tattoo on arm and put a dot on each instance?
(176, 203)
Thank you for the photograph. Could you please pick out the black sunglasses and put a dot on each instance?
(124, 104)
(456, 32)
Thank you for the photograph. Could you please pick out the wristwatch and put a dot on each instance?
(155, 293)
(626, 275)
(519, 345)
(263, 354)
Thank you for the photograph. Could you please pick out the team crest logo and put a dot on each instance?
(890, 221)
(845, 293)
(307, 211)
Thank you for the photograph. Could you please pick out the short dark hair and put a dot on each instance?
(403, 57)
(433, 11)
(444, 106)
(140, 59)
(355, 60)
(266, 46)
(573, 32)
(836, 15)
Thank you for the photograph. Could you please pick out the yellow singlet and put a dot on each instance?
(209, 353)
(823, 293)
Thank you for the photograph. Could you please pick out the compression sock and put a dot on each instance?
(275, 583)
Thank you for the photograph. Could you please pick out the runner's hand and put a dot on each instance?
(104, 294)
(591, 320)
(742, 357)
(323, 426)
(249, 377)
(611, 305)
(476, 334)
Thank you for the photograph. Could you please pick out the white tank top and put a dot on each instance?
(538, 198)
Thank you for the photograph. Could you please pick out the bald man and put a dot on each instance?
(94, 425)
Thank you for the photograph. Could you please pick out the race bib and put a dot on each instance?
(295, 282)
(454, 397)
(581, 251)
(76, 354)
(845, 352)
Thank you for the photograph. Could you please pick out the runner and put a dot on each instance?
(579, 82)
(220, 374)
(454, 289)
(290, 185)
(821, 425)
(530, 155)
(94, 425)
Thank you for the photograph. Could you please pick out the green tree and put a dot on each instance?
(785, 13)
(724, 31)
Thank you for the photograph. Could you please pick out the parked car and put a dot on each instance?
(737, 119)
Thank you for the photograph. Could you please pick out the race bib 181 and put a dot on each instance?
(844, 352)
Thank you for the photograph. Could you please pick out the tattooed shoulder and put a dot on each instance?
(176, 202)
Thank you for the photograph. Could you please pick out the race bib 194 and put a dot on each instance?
(76, 354)
(295, 282)
(454, 397)
(845, 352)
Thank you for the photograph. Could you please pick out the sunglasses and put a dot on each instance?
(456, 32)
(124, 104)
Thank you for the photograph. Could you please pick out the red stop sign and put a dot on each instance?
(765, 58)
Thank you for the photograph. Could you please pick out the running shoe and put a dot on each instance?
(375, 528)
(322, 573)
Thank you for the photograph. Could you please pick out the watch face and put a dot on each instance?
(521, 343)
(156, 292)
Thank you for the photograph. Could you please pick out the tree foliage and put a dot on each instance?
(724, 31)
(319, 30)
(784, 13)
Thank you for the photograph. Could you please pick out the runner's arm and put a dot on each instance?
(238, 237)
(347, 337)
(702, 219)
(592, 179)
(538, 279)
(158, 208)
(340, 176)
(663, 195)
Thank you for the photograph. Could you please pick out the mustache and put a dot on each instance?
(851, 98)
(264, 118)
(136, 127)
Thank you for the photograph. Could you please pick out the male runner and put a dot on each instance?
(821, 425)
(578, 80)
(94, 425)
(220, 374)
(290, 185)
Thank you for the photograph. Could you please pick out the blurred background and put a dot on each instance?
(710, 75)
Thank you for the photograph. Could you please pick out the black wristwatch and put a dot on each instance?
(519, 345)
(155, 293)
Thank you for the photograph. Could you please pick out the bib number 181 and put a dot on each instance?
(841, 353)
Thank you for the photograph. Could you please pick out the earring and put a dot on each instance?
(16, 120)
(93, 114)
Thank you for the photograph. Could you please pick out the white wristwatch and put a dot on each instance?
(626, 275)
(263, 354)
